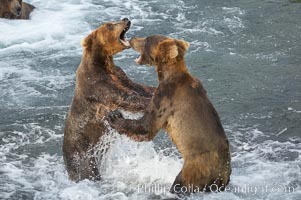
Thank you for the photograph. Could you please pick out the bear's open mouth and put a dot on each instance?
(122, 38)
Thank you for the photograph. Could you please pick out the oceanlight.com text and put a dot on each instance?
(245, 189)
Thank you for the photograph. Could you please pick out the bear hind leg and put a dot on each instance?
(88, 169)
(80, 168)
(177, 184)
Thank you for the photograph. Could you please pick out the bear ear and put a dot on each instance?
(88, 41)
(183, 45)
(168, 48)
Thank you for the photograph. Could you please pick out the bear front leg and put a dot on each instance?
(127, 127)
(135, 129)
(142, 129)
(133, 102)
(141, 90)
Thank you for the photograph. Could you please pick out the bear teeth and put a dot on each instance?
(125, 43)
(138, 60)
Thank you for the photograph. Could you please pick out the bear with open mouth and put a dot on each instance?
(180, 106)
(15, 9)
(101, 87)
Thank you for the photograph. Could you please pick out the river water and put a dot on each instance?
(247, 54)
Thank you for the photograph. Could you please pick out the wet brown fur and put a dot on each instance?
(8, 9)
(181, 107)
(100, 88)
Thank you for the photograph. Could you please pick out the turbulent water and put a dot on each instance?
(247, 54)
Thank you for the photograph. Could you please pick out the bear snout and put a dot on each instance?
(127, 22)
(137, 44)
(16, 8)
(19, 10)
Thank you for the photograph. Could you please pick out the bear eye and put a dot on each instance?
(110, 26)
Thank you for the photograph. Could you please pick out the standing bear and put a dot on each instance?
(101, 87)
(15, 9)
(181, 107)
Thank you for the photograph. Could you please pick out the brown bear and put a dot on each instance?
(15, 9)
(100, 88)
(180, 106)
